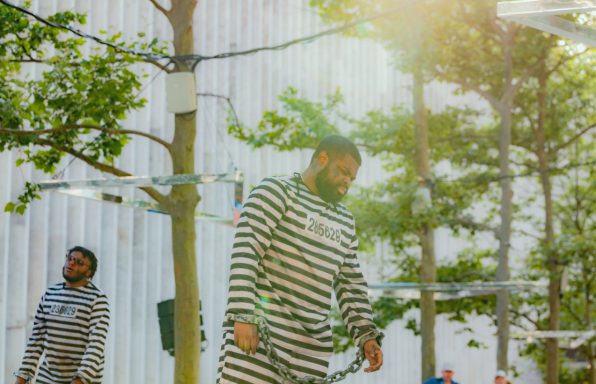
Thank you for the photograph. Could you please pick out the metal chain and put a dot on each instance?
(290, 376)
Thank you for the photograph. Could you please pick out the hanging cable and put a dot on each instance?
(305, 39)
(148, 55)
(197, 58)
(236, 122)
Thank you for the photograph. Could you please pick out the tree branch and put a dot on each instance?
(526, 163)
(575, 137)
(512, 90)
(74, 64)
(469, 223)
(156, 195)
(478, 25)
(564, 60)
(158, 65)
(572, 313)
(526, 233)
(25, 61)
(160, 8)
(528, 318)
(496, 103)
(86, 126)
(496, 27)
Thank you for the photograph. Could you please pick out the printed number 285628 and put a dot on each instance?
(324, 230)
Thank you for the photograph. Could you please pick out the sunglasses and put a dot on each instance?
(79, 262)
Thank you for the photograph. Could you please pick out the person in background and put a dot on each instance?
(70, 328)
(501, 377)
(447, 373)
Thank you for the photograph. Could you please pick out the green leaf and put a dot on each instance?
(9, 207)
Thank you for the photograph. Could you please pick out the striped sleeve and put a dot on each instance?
(35, 346)
(92, 363)
(261, 213)
(351, 291)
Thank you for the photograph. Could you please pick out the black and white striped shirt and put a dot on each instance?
(291, 251)
(70, 330)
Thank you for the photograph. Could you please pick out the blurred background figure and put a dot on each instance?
(501, 377)
(447, 373)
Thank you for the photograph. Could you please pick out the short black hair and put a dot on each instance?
(336, 145)
(88, 254)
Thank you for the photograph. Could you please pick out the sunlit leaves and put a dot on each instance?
(24, 199)
(73, 89)
(302, 125)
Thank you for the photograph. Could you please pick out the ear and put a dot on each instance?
(88, 274)
(323, 159)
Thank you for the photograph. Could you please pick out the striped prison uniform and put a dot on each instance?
(71, 326)
(291, 251)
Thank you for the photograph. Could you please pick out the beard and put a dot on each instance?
(73, 278)
(327, 189)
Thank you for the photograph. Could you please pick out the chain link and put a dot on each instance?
(290, 376)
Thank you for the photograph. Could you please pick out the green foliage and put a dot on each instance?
(568, 119)
(468, 46)
(305, 124)
(24, 199)
(471, 265)
(384, 211)
(569, 87)
(77, 103)
(472, 53)
(576, 250)
(464, 43)
(405, 31)
(385, 310)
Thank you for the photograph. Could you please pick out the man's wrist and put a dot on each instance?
(22, 376)
(78, 379)
(242, 318)
(373, 335)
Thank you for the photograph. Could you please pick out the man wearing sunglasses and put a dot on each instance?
(70, 327)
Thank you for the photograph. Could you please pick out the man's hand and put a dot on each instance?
(374, 355)
(20, 380)
(77, 380)
(246, 337)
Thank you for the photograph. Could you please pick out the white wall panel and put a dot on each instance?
(134, 247)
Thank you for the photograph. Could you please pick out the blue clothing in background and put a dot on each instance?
(438, 380)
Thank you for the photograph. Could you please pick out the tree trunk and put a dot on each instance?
(181, 206)
(504, 244)
(588, 346)
(554, 300)
(187, 335)
(427, 264)
(588, 320)
(505, 211)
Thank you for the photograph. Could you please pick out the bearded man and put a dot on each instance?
(295, 245)
(70, 328)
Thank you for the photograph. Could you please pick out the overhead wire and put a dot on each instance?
(197, 58)
(309, 38)
(217, 131)
(148, 55)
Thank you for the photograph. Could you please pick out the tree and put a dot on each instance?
(47, 119)
(555, 113)
(575, 249)
(496, 60)
(406, 34)
(492, 58)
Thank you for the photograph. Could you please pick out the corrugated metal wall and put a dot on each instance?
(134, 246)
